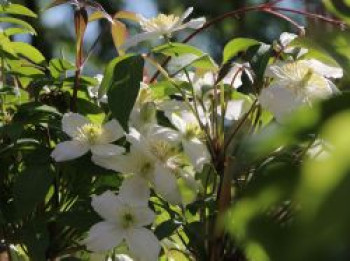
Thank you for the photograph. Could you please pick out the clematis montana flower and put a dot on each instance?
(124, 217)
(93, 90)
(193, 147)
(163, 26)
(297, 83)
(87, 136)
(150, 159)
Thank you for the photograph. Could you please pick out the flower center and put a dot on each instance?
(89, 132)
(162, 23)
(192, 131)
(301, 76)
(162, 150)
(146, 169)
(127, 220)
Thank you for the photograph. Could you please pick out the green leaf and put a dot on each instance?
(340, 8)
(235, 46)
(59, 66)
(166, 229)
(19, 22)
(6, 45)
(123, 84)
(178, 49)
(29, 52)
(33, 183)
(17, 10)
(15, 30)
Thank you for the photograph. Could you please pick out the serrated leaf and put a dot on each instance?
(28, 51)
(17, 10)
(19, 22)
(59, 66)
(124, 85)
(235, 46)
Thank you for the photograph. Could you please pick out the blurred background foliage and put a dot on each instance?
(56, 31)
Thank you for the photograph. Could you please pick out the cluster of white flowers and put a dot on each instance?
(159, 156)
(297, 83)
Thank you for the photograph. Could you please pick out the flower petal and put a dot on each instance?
(143, 244)
(197, 153)
(121, 163)
(165, 184)
(184, 16)
(193, 24)
(69, 150)
(71, 122)
(143, 216)
(107, 205)
(107, 150)
(178, 123)
(135, 191)
(112, 131)
(324, 69)
(103, 236)
(136, 39)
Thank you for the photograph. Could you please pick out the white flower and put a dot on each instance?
(143, 114)
(297, 83)
(124, 217)
(93, 90)
(102, 257)
(87, 136)
(163, 26)
(193, 147)
(150, 159)
(285, 40)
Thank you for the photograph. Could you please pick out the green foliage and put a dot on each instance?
(236, 46)
(122, 93)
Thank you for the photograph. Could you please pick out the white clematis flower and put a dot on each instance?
(151, 159)
(285, 40)
(163, 26)
(124, 217)
(93, 90)
(87, 136)
(297, 83)
(193, 147)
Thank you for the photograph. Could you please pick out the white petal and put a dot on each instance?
(324, 69)
(103, 236)
(121, 257)
(107, 150)
(193, 24)
(112, 131)
(143, 216)
(197, 153)
(69, 150)
(120, 163)
(178, 123)
(186, 14)
(280, 101)
(286, 38)
(143, 244)
(136, 39)
(135, 191)
(71, 122)
(107, 205)
(235, 110)
(165, 184)
(162, 133)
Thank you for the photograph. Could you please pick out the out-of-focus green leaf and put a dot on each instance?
(16, 10)
(124, 86)
(340, 8)
(19, 22)
(166, 229)
(235, 46)
(28, 51)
